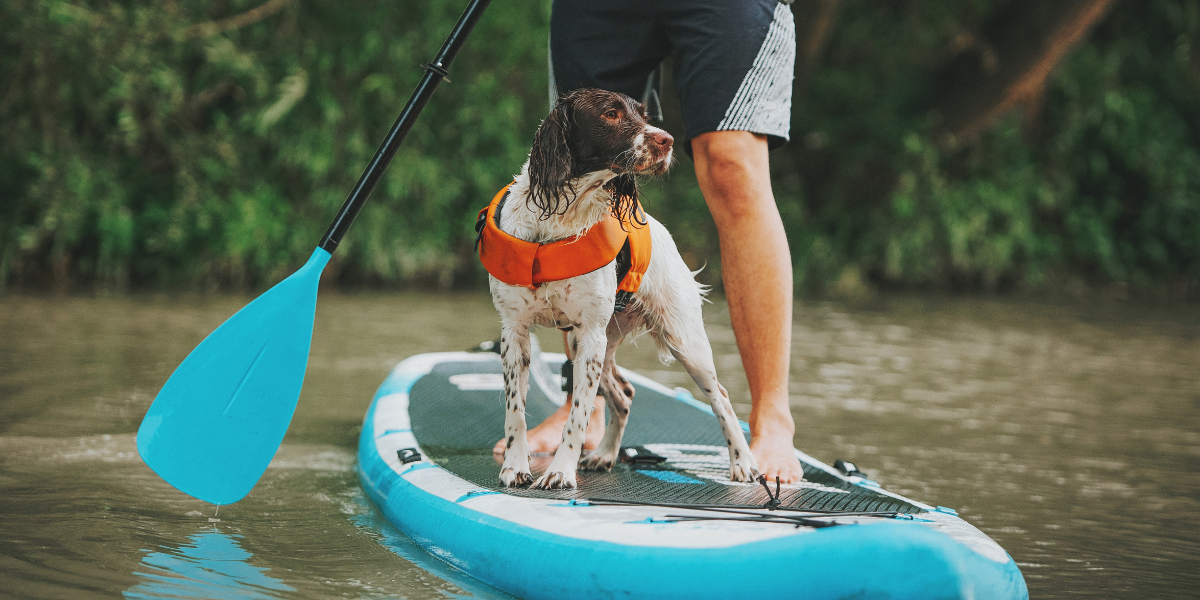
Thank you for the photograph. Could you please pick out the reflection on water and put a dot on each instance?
(210, 565)
(374, 524)
(1071, 434)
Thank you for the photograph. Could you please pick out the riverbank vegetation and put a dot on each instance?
(1008, 145)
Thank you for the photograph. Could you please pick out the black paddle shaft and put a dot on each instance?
(435, 72)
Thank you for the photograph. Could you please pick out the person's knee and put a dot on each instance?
(733, 170)
(730, 150)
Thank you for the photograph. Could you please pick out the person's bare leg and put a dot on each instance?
(756, 268)
(547, 435)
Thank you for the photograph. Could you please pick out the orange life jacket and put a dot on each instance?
(518, 262)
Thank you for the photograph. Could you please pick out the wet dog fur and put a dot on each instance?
(584, 163)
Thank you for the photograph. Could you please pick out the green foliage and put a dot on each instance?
(1105, 189)
(137, 151)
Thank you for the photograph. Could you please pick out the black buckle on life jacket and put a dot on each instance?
(623, 298)
(481, 220)
(624, 265)
(479, 224)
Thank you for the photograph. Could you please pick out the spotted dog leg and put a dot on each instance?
(618, 395)
(696, 357)
(514, 355)
(589, 359)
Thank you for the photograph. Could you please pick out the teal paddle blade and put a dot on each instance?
(217, 422)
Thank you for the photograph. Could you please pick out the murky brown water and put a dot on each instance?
(1071, 434)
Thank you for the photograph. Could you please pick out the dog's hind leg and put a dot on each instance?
(672, 299)
(699, 364)
(514, 354)
(689, 344)
(618, 395)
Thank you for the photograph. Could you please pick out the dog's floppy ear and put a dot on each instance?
(626, 196)
(550, 162)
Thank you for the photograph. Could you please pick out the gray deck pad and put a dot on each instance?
(457, 415)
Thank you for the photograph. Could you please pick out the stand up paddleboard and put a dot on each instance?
(666, 522)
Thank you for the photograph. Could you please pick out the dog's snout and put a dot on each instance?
(654, 156)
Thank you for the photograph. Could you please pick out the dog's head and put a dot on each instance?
(593, 130)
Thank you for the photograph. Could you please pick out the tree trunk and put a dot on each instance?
(1009, 66)
(815, 21)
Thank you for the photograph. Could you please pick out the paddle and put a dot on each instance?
(221, 416)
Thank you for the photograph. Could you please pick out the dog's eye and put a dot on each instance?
(612, 114)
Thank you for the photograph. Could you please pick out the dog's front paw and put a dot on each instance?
(743, 470)
(556, 480)
(511, 477)
(595, 460)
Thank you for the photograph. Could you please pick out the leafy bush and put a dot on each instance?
(1105, 189)
(142, 148)
(138, 152)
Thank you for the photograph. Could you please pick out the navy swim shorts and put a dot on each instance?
(733, 60)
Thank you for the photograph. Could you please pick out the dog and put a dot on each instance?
(582, 168)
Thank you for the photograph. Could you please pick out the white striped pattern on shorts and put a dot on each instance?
(763, 103)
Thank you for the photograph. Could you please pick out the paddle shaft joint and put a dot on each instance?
(435, 72)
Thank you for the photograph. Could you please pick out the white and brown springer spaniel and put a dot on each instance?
(583, 164)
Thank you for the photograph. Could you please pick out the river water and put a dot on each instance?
(1069, 433)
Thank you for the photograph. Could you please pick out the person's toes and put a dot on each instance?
(777, 460)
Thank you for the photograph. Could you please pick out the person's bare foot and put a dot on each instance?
(546, 437)
(776, 457)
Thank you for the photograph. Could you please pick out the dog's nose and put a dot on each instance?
(662, 138)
